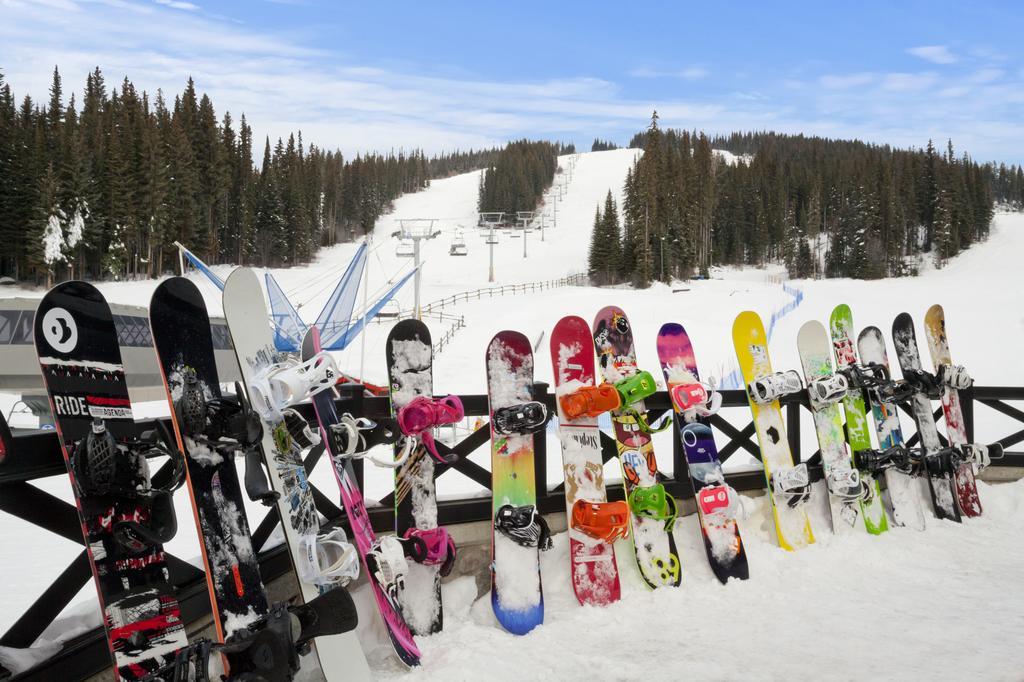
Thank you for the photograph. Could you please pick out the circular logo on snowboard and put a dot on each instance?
(60, 330)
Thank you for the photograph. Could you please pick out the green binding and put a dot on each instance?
(634, 389)
(653, 502)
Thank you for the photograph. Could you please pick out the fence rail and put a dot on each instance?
(28, 456)
(506, 289)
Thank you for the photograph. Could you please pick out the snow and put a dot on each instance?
(53, 240)
(968, 565)
(910, 605)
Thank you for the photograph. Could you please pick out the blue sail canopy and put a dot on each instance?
(336, 317)
(288, 325)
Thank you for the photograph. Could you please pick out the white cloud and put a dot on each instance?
(177, 4)
(845, 81)
(690, 73)
(937, 54)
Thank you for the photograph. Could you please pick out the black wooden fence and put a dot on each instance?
(26, 457)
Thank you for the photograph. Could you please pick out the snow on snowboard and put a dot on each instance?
(717, 503)
(124, 520)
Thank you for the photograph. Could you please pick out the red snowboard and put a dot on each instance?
(595, 575)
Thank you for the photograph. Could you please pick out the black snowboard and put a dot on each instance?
(184, 344)
(77, 345)
(410, 368)
(940, 485)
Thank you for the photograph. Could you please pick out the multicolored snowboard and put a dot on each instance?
(80, 359)
(410, 360)
(816, 358)
(940, 485)
(184, 344)
(858, 431)
(516, 594)
(245, 310)
(653, 543)
(352, 499)
(903, 495)
(792, 525)
(956, 431)
(595, 575)
(721, 535)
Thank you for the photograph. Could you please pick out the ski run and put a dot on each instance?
(851, 606)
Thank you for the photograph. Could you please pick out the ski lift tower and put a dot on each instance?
(490, 220)
(524, 217)
(416, 230)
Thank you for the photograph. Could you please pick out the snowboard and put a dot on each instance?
(355, 509)
(721, 536)
(594, 572)
(858, 431)
(516, 594)
(251, 656)
(248, 321)
(410, 359)
(941, 486)
(183, 340)
(80, 360)
(653, 543)
(956, 431)
(903, 496)
(816, 358)
(792, 525)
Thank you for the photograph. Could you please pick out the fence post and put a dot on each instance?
(793, 429)
(540, 445)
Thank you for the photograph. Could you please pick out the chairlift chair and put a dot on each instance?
(405, 249)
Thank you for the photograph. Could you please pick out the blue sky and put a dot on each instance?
(445, 75)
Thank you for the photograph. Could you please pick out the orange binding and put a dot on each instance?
(608, 521)
(590, 401)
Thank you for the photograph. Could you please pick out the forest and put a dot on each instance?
(823, 207)
(516, 178)
(100, 186)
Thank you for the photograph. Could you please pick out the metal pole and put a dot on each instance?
(524, 237)
(490, 275)
(366, 287)
(416, 259)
